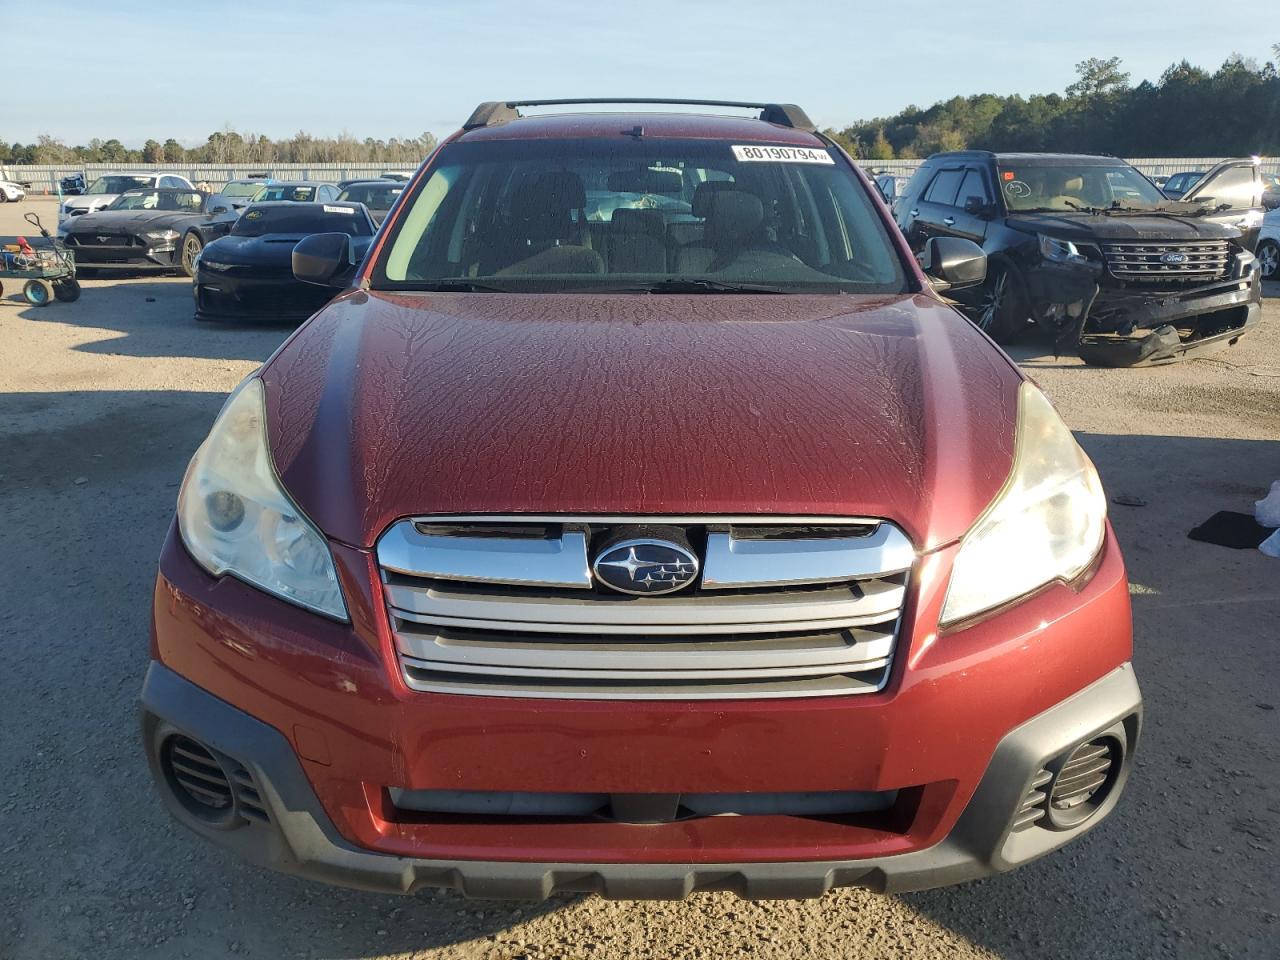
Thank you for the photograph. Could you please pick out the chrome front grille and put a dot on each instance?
(508, 607)
(1195, 260)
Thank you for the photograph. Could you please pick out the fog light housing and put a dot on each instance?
(1084, 781)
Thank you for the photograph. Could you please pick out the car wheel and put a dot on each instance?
(4, 197)
(1002, 310)
(1268, 254)
(191, 247)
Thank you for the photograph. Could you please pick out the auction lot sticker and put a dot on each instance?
(766, 154)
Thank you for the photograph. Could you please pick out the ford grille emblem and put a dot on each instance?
(1174, 258)
(645, 567)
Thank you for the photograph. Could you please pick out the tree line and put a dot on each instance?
(1188, 112)
(226, 146)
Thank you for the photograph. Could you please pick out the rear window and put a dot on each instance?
(592, 214)
(321, 218)
(241, 189)
(374, 196)
(280, 191)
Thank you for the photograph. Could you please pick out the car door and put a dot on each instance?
(968, 216)
(1233, 190)
(935, 207)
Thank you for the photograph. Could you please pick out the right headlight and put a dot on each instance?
(1046, 524)
(236, 518)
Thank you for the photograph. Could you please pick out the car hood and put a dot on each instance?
(275, 249)
(1121, 226)
(126, 220)
(86, 202)
(388, 405)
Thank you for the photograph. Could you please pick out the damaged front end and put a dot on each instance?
(1144, 302)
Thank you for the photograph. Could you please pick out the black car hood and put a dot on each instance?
(1135, 225)
(273, 249)
(131, 221)
(270, 249)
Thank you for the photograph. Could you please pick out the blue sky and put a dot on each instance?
(390, 67)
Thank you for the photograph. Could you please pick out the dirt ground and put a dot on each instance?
(103, 401)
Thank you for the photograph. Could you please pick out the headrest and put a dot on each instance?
(735, 216)
(542, 206)
(702, 196)
(627, 220)
(1075, 184)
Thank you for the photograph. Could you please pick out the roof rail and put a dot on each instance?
(500, 111)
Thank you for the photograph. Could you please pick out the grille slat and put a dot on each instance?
(827, 625)
(1142, 260)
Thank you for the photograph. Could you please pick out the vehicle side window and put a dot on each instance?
(1235, 186)
(944, 188)
(973, 186)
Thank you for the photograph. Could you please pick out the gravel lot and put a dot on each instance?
(103, 401)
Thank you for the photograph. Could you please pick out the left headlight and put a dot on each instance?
(1060, 251)
(1046, 524)
(161, 234)
(235, 517)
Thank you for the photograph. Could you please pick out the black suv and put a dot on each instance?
(1091, 250)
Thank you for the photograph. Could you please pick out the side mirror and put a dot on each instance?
(953, 263)
(977, 207)
(218, 208)
(324, 259)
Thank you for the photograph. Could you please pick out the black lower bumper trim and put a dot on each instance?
(297, 837)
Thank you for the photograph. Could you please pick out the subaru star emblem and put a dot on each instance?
(1174, 258)
(646, 567)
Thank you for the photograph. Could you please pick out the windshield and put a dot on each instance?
(312, 218)
(1075, 186)
(177, 200)
(286, 191)
(241, 188)
(639, 215)
(375, 196)
(116, 184)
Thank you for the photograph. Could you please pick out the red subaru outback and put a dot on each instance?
(640, 520)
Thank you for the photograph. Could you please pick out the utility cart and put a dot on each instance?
(46, 265)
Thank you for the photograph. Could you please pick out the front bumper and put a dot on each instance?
(1125, 326)
(299, 838)
(161, 255)
(320, 717)
(238, 296)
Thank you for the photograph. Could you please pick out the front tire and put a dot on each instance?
(1002, 312)
(191, 247)
(1268, 254)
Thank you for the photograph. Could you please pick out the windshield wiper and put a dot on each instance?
(459, 283)
(693, 285)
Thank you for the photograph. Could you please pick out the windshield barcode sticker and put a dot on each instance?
(349, 211)
(761, 153)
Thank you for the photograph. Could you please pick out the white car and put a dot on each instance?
(1268, 249)
(105, 189)
(11, 191)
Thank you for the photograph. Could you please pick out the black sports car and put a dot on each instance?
(378, 195)
(142, 228)
(248, 274)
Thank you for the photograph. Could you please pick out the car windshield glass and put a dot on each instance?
(285, 191)
(1068, 186)
(243, 188)
(378, 196)
(175, 200)
(637, 214)
(301, 220)
(115, 184)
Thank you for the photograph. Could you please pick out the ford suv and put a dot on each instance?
(1088, 249)
(639, 519)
